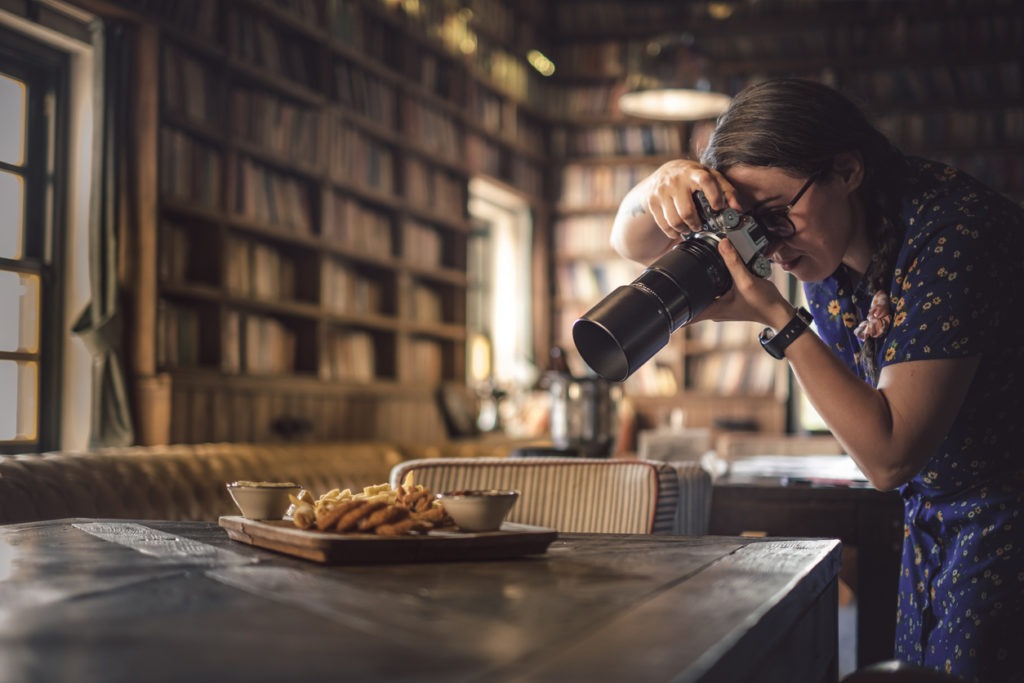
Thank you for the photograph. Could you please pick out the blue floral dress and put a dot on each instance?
(957, 291)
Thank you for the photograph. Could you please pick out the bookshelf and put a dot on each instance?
(313, 161)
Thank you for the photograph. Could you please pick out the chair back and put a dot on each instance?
(581, 495)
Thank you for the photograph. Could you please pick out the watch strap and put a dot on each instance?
(776, 343)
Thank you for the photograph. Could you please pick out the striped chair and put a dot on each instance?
(579, 495)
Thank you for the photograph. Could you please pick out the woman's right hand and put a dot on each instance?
(660, 210)
(669, 199)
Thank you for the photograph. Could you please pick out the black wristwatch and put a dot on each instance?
(776, 344)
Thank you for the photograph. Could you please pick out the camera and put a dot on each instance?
(622, 331)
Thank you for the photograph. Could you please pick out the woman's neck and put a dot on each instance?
(860, 250)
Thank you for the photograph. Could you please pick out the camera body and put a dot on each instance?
(742, 229)
(622, 331)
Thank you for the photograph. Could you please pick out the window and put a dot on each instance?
(500, 293)
(31, 86)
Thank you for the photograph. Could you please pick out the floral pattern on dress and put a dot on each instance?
(957, 291)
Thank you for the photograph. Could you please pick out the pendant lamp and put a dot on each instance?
(672, 81)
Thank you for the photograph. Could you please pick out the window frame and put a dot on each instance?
(45, 71)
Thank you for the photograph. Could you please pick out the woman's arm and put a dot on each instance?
(891, 432)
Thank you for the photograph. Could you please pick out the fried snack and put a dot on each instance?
(350, 522)
(328, 517)
(435, 515)
(405, 526)
(378, 509)
(304, 516)
(385, 515)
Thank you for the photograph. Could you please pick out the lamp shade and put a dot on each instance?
(672, 82)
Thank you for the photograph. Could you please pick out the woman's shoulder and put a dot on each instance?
(942, 202)
(934, 187)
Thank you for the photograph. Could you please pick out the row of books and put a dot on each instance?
(357, 226)
(290, 130)
(380, 41)
(177, 335)
(423, 245)
(589, 281)
(931, 34)
(605, 58)
(347, 290)
(580, 101)
(258, 270)
(710, 335)
(732, 373)
(600, 186)
(483, 156)
(254, 41)
(183, 259)
(266, 196)
(528, 177)
(438, 76)
(433, 187)
(490, 111)
(431, 130)
(349, 355)
(190, 171)
(362, 160)
(617, 140)
(955, 127)
(424, 362)
(583, 236)
(312, 12)
(188, 88)
(199, 18)
(960, 84)
(425, 304)
(267, 347)
(365, 93)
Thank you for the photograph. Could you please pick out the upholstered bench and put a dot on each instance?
(178, 482)
(578, 494)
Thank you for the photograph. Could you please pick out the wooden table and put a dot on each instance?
(112, 600)
(868, 520)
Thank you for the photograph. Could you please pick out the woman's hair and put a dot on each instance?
(800, 126)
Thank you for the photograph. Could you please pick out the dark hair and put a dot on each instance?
(800, 126)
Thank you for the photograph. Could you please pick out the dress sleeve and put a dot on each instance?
(943, 292)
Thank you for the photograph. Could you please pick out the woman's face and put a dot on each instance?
(827, 220)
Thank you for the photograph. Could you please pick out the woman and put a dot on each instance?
(913, 272)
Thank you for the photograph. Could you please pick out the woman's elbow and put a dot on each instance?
(889, 477)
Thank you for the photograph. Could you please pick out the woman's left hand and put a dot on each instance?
(750, 298)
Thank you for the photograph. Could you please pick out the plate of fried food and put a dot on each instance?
(382, 524)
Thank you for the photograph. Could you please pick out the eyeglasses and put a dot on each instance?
(777, 221)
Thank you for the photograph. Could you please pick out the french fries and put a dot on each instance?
(377, 509)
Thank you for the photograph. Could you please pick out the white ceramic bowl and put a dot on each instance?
(478, 510)
(263, 499)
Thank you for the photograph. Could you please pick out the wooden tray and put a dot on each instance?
(513, 540)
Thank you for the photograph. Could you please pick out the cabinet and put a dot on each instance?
(313, 167)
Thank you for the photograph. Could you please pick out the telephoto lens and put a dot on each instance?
(626, 328)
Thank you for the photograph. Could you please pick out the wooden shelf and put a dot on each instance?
(312, 209)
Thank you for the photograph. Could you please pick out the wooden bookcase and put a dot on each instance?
(313, 166)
